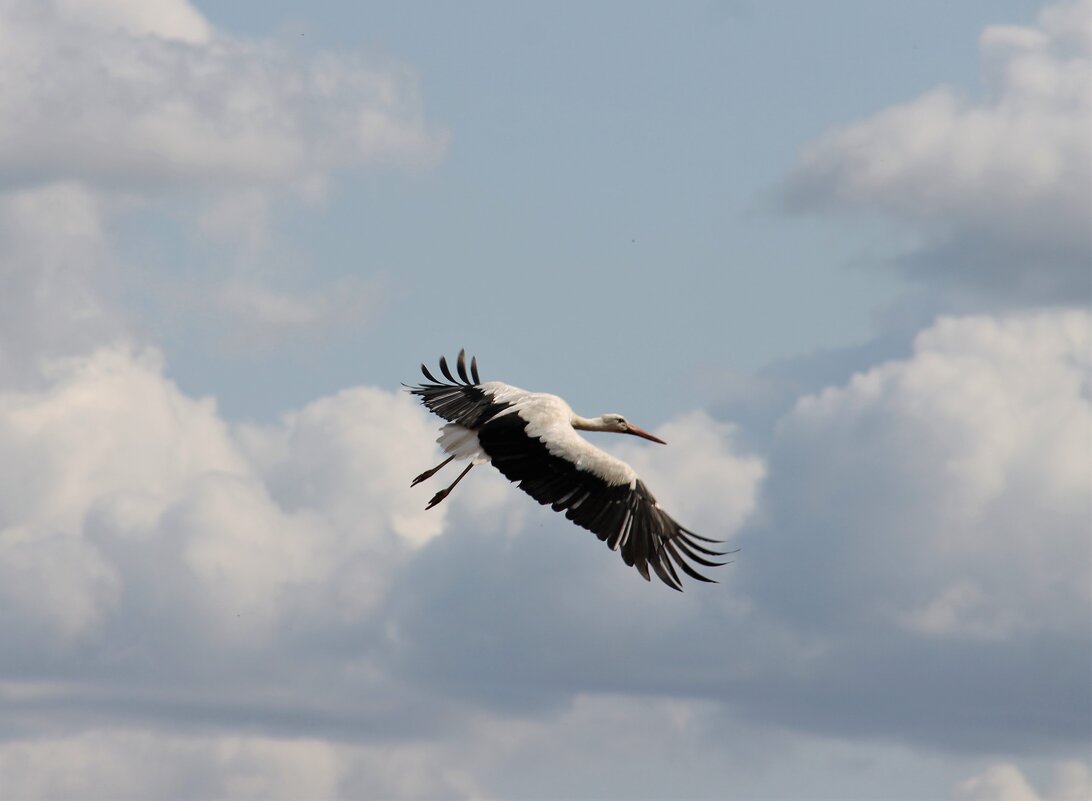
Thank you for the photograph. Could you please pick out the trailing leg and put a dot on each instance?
(439, 496)
(430, 473)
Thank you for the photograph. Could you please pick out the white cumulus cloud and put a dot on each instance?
(147, 94)
(923, 531)
(110, 471)
(175, 20)
(952, 487)
(1000, 185)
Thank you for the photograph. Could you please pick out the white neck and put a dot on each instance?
(590, 424)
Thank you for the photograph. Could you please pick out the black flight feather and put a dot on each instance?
(460, 365)
(444, 369)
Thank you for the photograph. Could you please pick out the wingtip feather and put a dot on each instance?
(686, 568)
(460, 365)
(446, 370)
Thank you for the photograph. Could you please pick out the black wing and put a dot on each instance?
(626, 518)
(462, 400)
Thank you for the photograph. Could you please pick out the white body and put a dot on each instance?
(548, 419)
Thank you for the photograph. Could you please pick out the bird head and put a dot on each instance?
(619, 424)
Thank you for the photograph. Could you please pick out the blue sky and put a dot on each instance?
(836, 254)
(623, 166)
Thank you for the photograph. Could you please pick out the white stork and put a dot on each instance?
(531, 437)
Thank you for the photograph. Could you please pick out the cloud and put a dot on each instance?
(350, 455)
(175, 20)
(192, 606)
(931, 519)
(107, 438)
(639, 746)
(256, 315)
(176, 583)
(140, 764)
(998, 783)
(111, 475)
(234, 600)
(158, 517)
(57, 264)
(1000, 187)
(930, 511)
(575, 618)
(124, 120)
(1002, 781)
(128, 94)
(965, 459)
(701, 472)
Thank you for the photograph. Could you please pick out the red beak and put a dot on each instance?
(640, 432)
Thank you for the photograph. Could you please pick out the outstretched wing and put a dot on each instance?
(626, 516)
(462, 400)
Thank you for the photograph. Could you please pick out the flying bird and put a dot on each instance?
(531, 437)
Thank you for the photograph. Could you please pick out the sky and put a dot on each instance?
(836, 254)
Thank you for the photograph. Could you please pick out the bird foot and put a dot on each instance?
(439, 496)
